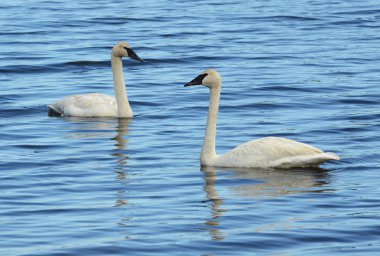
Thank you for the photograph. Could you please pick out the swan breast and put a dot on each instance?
(86, 105)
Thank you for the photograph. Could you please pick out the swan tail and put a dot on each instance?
(305, 160)
(53, 111)
(332, 156)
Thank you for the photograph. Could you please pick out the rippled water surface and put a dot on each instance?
(305, 70)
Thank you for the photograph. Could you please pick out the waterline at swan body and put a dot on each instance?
(101, 105)
(269, 152)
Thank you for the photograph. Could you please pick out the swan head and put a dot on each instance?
(209, 78)
(123, 49)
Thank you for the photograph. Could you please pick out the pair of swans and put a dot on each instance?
(269, 152)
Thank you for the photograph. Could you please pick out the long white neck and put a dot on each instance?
(208, 150)
(123, 107)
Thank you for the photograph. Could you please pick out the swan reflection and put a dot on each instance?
(88, 128)
(112, 129)
(272, 182)
(256, 184)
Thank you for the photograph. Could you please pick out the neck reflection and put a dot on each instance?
(121, 142)
(120, 146)
(210, 176)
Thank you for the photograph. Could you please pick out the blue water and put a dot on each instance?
(305, 70)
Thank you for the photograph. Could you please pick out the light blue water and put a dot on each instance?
(306, 70)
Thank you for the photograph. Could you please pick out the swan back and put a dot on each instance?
(86, 105)
(274, 152)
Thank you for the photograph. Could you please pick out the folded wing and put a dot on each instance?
(274, 152)
(86, 105)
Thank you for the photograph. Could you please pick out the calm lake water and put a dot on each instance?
(305, 70)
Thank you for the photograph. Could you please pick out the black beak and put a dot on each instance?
(133, 55)
(196, 81)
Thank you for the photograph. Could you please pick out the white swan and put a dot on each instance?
(269, 152)
(101, 105)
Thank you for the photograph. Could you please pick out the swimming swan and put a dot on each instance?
(269, 152)
(101, 105)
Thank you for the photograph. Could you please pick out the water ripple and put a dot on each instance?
(103, 186)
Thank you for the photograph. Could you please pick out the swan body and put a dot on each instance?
(274, 152)
(87, 105)
(268, 152)
(101, 105)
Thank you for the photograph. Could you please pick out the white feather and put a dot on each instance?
(86, 105)
(273, 152)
